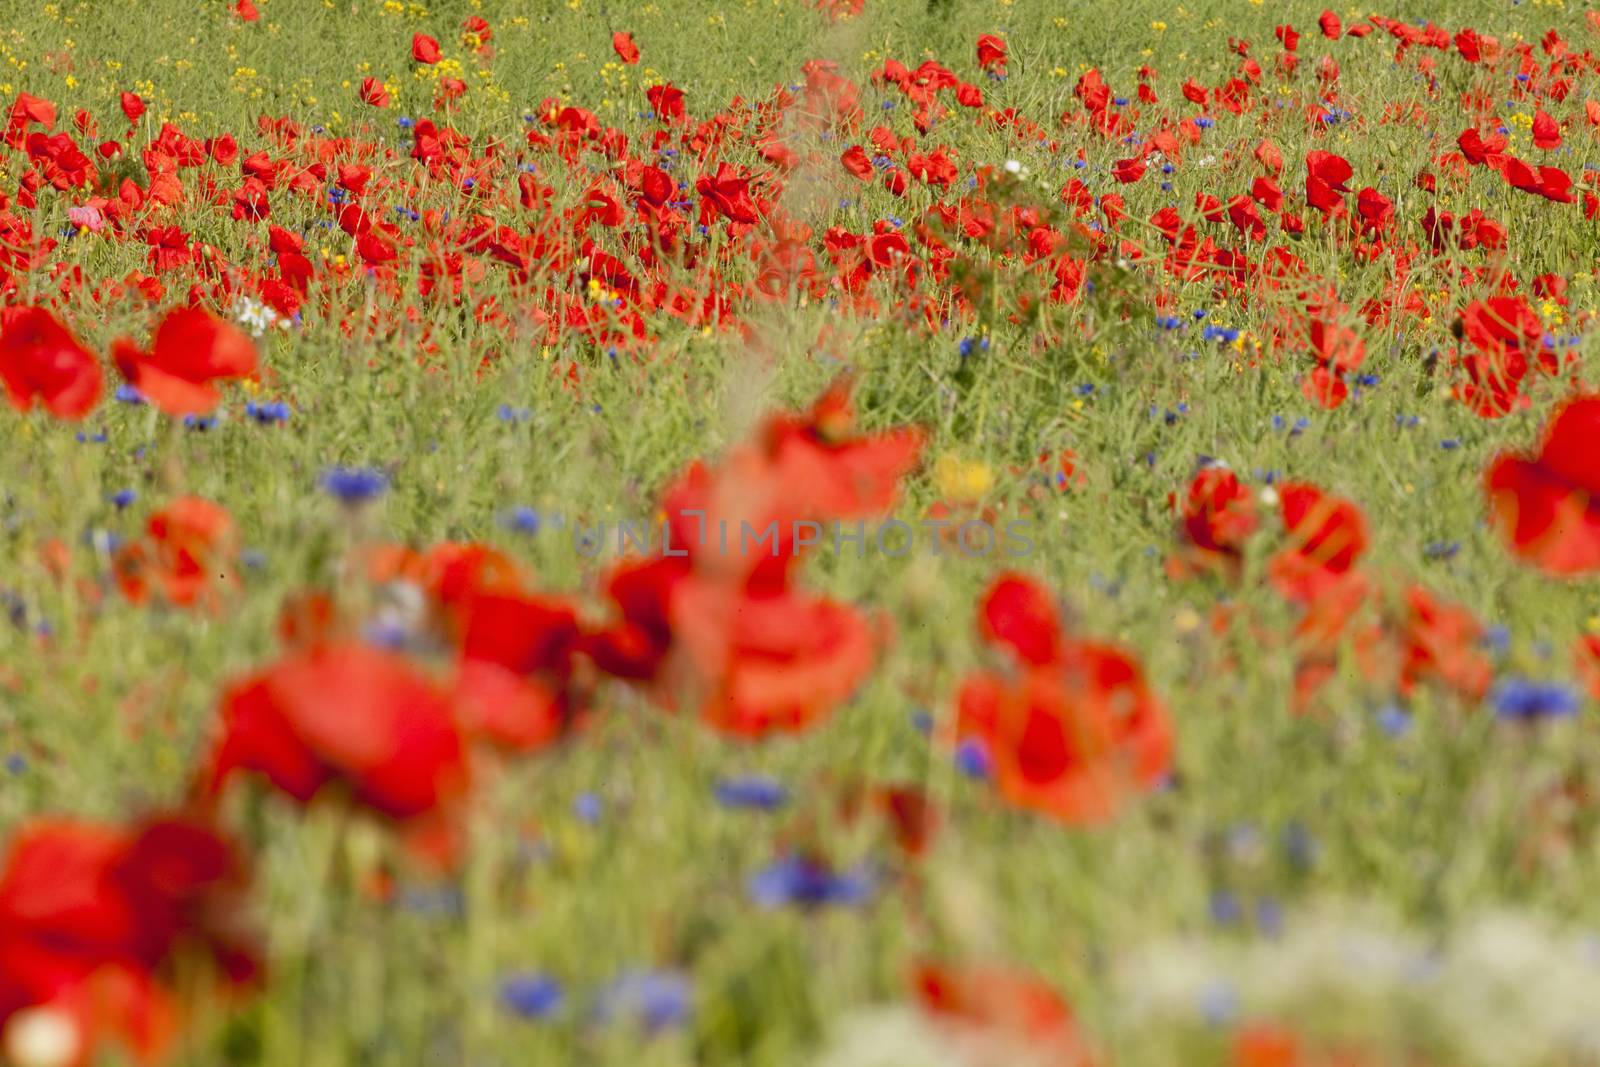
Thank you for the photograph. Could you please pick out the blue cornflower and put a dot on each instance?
(532, 996)
(127, 394)
(269, 412)
(1394, 720)
(752, 791)
(354, 485)
(972, 758)
(523, 520)
(1225, 909)
(797, 880)
(655, 999)
(588, 807)
(123, 497)
(1521, 699)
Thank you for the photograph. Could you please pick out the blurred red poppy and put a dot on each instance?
(1073, 736)
(95, 922)
(622, 44)
(192, 349)
(40, 360)
(344, 714)
(1547, 505)
(187, 553)
(1327, 536)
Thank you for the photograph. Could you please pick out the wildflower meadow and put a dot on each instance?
(837, 533)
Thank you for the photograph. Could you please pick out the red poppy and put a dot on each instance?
(1326, 178)
(60, 161)
(666, 101)
(717, 624)
(1327, 536)
(622, 44)
(425, 49)
(41, 360)
(855, 161)
(728, 192)
(767, 664)
(191, 350)
(514, 683)
(344, 714)
(992, 53)
(187, 551)
(1502, 336)
(1586, 659)
(93, 921)
(1129, 170)
(1073, 737)
(1547, 505)
(1218, 514)
(1546, 131)
(373, 93)
(1015, 1016)
(1441, 642)
(132, 106)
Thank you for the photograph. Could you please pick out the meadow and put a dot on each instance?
(1159, 623)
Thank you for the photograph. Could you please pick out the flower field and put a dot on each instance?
(840, 533)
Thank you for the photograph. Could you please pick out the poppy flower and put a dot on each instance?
(96, 918)
(1442, 642)
(41, 361)
(1547, 505)
(425, 49)
(132, 106)
(718, 623)
(728, 192)
(768, 664)
(373, 93)
(192, 349)
(344, 714)
(622, 44)
(1218, 515)
(1546, 131)
(1127, 171)
(1327, 536)
(188, 548)
(1501, 334)
(666, 101)
(1326, 178)
(992, 53)
(1073, 736)
(514, 682)
(1013, 1015)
